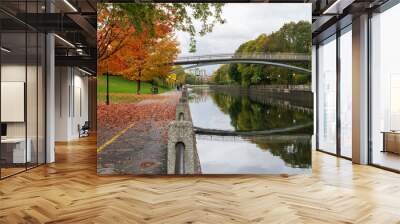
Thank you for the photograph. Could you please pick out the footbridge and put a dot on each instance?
(274, 59)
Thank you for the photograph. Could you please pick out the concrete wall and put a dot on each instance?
(181, 131)
(360, 90)
(71, 102)
(50, 93)
(92, 98)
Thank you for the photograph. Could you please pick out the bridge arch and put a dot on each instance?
(279, 59)
(236, 61)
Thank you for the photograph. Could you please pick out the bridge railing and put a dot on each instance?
(257, 55)
(274, 56)
(284, 87)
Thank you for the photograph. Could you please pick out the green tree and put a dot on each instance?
(233, 73)
(181, 75)
(290, 38)
(221, 75)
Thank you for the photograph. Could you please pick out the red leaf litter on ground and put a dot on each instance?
(116, 117)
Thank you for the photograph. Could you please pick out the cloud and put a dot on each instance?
(245, 21)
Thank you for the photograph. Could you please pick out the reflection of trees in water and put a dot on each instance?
(199, 96)
(248, 115)
(294, 150)
(295, 153)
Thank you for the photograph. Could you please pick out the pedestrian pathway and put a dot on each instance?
(140, 148)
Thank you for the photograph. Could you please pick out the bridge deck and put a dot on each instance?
(282, 57)
(275, 59)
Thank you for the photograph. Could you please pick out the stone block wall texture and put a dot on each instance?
(181, 131)
(297, 95)
(182, 110)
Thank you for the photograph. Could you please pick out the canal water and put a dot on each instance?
(280, 153)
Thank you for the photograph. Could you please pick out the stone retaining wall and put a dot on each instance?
(297, 96)
(181, 131)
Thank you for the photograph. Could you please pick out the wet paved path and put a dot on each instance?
(140, 148)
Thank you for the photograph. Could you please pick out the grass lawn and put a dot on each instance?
(117, 84)
(118, 98)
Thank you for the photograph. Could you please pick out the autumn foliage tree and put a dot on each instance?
(113, 20)
(114, 28)
(137, 40)
(138, 56)
(144, 58)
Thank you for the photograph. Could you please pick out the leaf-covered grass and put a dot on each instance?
(118, 84)
(116, 116)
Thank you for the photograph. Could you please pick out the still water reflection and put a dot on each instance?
(282, 153)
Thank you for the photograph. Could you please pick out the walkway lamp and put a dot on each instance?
(108, 90)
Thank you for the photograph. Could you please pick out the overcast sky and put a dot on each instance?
(244, 21)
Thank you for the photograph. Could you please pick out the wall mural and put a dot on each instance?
(206, 88)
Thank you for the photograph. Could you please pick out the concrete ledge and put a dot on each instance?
(181, 114)
(181, 131)
(184, 97)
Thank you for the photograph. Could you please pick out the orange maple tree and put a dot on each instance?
(114, 29)
(138, 56)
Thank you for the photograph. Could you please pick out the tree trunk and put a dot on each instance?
(138, 82)
(108, 90)
(138, 87)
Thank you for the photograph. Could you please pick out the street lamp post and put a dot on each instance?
(107, 86)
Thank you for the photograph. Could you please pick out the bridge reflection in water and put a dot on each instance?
(271, 138)
(287, 151)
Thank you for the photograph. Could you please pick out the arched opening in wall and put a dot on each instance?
(180, 158)
(181, 116)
